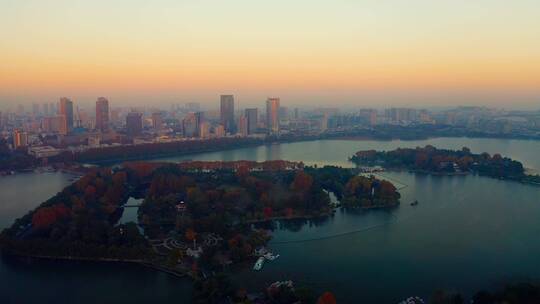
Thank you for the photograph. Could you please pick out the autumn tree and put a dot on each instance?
(327, 298)
(302, 182)
(44, 217)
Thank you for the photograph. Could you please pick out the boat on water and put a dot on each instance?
(270, 257)
(259, 264)
(414, 203)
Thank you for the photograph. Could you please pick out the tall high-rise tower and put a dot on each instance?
(272, 115)
(65, 110)
(252, 116)
(227, 113)
(20, 139)
(102, 114)
(134, 124)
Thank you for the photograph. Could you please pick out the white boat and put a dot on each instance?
(259, 264)
(269, 256)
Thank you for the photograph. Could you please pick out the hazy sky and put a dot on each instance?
(355, 52)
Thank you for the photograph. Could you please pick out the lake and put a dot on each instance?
(467, 233)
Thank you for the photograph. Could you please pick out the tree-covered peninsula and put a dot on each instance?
(448, 162)
(194, 217)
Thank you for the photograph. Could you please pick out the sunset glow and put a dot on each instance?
(304, 51)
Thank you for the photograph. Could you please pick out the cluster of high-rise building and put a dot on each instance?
(65, 125)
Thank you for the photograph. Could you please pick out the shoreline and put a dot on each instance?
(296, 217)
(463, 173)
(266, 142)
(286, 141)
(143, 263)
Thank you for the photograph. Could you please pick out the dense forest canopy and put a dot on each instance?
(186, 199)
(432, 160)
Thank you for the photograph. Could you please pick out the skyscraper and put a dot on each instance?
(199, 120)
(204, 130)
(65, 109)
(272, 115)
(243, 125)
(252, 116)
(20, 139)
(102, 114)
(227, 113)
(191, 124)
(134, 123)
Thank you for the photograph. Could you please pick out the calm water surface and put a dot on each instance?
(467, 233)
(337, 152)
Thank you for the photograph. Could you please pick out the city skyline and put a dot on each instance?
(350, 54)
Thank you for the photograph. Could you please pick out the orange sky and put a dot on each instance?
(307, 52)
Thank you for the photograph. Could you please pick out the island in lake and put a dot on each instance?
(195, 219)
(446, 162)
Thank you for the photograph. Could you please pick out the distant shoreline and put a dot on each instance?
(285, 141)
(101, 260)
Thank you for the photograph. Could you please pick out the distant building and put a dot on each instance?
(252, 116)
(53, 108)
(219, 131)
(227, 112)
(94, 140)
(401, 115)
(102, 114)
(134, 124)
(20, 110)
(204, 130)
(44, 151)
(243, 126)
(157, 121)
(51, 124)
(193, 106)
(283, 112)
(272, 115)
(424, 117)
(114, 116)
(191, 124)
(324, 123)
(46, 109)
(65, 109)
(369, 116)
(199, 120)
(20, 139)
(35, 110)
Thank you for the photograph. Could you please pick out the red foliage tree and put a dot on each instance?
(327, 298)
(267, 212)
(302, 182)
(46, 216)
(119, 178)
(242, 172)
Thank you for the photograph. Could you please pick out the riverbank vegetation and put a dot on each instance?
(450, 162)
(80, 222)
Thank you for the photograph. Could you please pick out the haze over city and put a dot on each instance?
(310, 53)
(270, 152)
